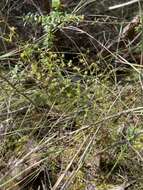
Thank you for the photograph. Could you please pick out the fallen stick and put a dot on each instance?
(124, 4)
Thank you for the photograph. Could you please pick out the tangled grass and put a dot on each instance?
(73, 123)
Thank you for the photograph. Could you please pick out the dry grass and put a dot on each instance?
(72, 124)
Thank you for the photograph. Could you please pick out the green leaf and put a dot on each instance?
(56, 4)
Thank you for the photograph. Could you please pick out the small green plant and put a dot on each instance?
(64, 117)
(51, 23)
(56, 4)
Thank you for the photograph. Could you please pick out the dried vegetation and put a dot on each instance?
(71, 102)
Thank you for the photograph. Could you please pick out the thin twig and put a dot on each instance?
(18, 91)
(123, 4)
(20, 110)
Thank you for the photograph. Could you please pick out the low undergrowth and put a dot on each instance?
(67, 124)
